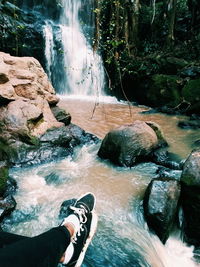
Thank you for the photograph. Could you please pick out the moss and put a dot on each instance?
(191, 93)
(3, 178)
(164, 90)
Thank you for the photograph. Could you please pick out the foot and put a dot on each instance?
(84, 219)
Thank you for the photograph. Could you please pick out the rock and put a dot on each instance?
(26, 27)
(11, 187)
(3, 177)
(7, 205)
(190, 198)
(61, 115)
(28, 117)
(164, 90)
(196, 144)
(171, 65)
(190, 124)
(161, 206)
(129, 144)
(26, 154)
(163, 172)
(166, 159)
(26, 78)
(80, 137)
(191, 93)
(57, 136)
(191, 169)
(190, 71)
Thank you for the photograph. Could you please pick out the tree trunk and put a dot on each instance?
(171, 14)
(132, 10)
(97, 29)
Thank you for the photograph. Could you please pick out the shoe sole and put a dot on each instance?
(92, 232)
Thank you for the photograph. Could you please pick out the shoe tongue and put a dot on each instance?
(81, 205)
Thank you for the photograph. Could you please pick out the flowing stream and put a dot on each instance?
(122, 237)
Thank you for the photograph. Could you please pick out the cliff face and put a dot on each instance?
(21, 31)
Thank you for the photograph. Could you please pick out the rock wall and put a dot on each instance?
(33, 129)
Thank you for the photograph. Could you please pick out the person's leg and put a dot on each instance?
(9, 238)
(43, 250)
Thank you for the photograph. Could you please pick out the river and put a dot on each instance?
(122, 237)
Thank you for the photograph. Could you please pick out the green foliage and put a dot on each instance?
(191, 93)
(164, 90)
(3, 179)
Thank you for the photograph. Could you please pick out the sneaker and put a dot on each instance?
(84, 219)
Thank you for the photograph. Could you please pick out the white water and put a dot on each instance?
(81, 72)
(49, 47)
(122, 238)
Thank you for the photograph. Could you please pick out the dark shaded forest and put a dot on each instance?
(151, 51)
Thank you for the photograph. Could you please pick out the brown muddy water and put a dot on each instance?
(122, 238)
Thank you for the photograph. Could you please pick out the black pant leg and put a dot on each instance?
(9, 238)
(44, 250)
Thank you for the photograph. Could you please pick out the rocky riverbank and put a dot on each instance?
(33, 129)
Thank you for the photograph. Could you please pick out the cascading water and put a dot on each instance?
(72, 65)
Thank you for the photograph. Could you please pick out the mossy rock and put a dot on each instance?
(191, 93)
(164, 90)
(3, 177)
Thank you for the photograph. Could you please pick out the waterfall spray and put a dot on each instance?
(73, 67)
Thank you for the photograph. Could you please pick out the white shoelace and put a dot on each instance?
(81, 212)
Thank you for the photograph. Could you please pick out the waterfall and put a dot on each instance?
(49, 47)
(72, 65)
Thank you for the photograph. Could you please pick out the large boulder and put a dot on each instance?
(33, 129)
(128, 144)
(25, 98)
(26, 77)
(161, 206)
(190, 198)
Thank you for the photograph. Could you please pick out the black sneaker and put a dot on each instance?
(84, 210)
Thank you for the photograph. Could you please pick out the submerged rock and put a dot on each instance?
(161, 206)
(190, 198)
(128, 144)
(7, 205)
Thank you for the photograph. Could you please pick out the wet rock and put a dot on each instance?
(61, 115)
(7, 205)
(161, 206)
(57, 136)
(190, 71)
(128, 144)
(163, 172)
(21, 31)
(196, 144)
(26, 154)
(189, 124)
(80, 137)
(11, 187)
(166, 159)
(190, 198)
(3, 177)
